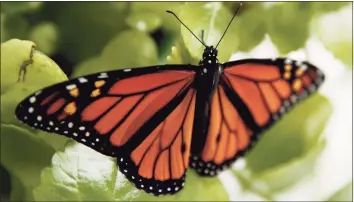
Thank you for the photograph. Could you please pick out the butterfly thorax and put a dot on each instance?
(210, 70)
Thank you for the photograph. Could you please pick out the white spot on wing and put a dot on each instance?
(298, 63)
(293, 99)
(102, 75)
(127, 70)
(38, 92)
(304, 67)
(287, 61)
(82, 80)
(30, 110)
(32, 99)
(71, 86)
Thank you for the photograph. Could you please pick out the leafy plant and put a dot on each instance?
(87, 37)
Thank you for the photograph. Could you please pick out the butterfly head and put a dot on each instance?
(209, 56)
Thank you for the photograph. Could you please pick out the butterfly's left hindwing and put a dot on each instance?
(251, 96)
(142, 116)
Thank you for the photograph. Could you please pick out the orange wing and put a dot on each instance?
(144, 117)
(251, 96)
(158, 164)
(227, 137)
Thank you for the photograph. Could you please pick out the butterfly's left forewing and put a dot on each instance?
(251, 96)
(143, 117)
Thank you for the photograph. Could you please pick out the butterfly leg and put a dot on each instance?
(24, 65)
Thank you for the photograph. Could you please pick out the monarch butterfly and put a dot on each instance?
(157, 121)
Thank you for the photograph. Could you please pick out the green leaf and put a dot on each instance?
(288, 25)
(292, 137)
(250, 35)
(4, 34)
(89, 66)
(75, 175)
(15, 26)
(57, 142)
(83, 174)
(343, 194)
(282, 176)
(5, 187)
(35, 153)
(45, 36)
(129, 49)
(85, 28)
(326, 7)
(168, 28)
(165, 44)
(288, 150)
(336, 33)
(17, 190)
(13, 54)
(213, 18)
(19, 7)
(196, 188)
(180, 55)
(40, 73)
(26, 163)
(146, 21)
(159, 8)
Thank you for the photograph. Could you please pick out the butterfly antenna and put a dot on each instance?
(186, 27)
(229, 24)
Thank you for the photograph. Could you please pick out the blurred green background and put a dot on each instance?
(79, 38)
